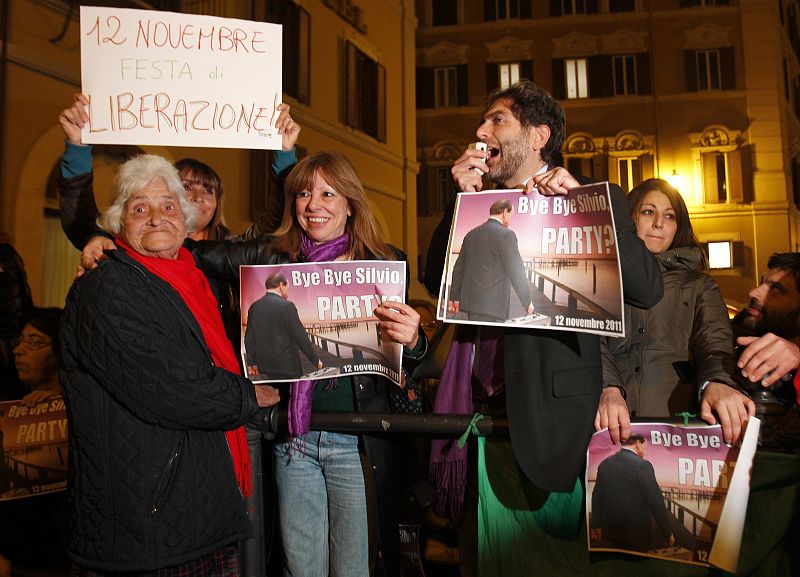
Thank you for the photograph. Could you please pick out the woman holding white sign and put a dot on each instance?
(680, 350)
(201, 183)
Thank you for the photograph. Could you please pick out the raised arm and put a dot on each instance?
(642, 284)
(221, 259)
(75, 187)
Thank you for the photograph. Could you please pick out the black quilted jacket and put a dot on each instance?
(151, 478)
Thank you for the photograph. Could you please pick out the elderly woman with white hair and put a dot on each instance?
(155, 398)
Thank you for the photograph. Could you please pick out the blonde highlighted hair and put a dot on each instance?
(366, 238)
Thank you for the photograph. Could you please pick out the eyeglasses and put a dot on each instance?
(33, 343)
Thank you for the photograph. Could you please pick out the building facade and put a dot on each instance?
(704, 93)
(348, 68)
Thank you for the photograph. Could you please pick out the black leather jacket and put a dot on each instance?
(223, 259)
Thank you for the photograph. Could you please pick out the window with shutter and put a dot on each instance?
(625, 79)
(445, 80)
(569, 7)
(296, 47)
(506, 9)
(576, 77)
(365, 93)
(630, 172)
(445, 12)
(621, 5)
(708, 70)
(715, 187)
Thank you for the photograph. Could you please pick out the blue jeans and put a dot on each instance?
(322, 505)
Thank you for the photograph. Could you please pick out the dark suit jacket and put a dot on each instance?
(554, 378)
(626, 495)
(487, 267)
(274, 338)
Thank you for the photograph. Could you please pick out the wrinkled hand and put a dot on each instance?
(93, 251)
(612, 412)
(767, 358)
(552, 182)
(73, 118)
(731, 407)
(453, 306)
(399, 323)
(287, 127)
(267, 396)
(468, 170)
(35, 397)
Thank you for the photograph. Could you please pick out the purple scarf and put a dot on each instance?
(302, 392)
(448, 466)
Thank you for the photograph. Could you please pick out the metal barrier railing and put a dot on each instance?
(273, 422)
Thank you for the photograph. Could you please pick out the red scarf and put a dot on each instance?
(797, 387)
(192, 286)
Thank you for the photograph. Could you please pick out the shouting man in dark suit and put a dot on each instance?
(487, 267)
(275, 336)
(626, 495)
(552, 379)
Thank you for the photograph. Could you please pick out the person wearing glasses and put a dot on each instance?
(29, 538)
(36, 355)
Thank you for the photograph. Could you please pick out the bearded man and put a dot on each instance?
(771, 355)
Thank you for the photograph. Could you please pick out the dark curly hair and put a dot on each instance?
(787, 262)
(532, 105)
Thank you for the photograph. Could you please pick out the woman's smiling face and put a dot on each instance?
(322, 211)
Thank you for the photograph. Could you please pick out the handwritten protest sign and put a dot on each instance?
(33, 448)
(539, 261)
(179, 79)
(315, 320)
(671, 492)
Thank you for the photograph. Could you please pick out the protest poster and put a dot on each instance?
(670, 492)
(33, 448)
(170, 79)
(531, 260)
(315, 320)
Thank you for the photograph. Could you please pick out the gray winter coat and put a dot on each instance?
(673, 348)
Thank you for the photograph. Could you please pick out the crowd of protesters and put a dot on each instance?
(157, 400)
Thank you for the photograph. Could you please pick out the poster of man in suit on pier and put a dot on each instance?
(670, 492)
(315, 320)
(539, 261)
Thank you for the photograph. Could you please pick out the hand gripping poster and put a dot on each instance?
(538, 261)
(670, 492)
(33, 448)
(315, 320)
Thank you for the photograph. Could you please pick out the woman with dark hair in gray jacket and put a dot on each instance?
(689, 327)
